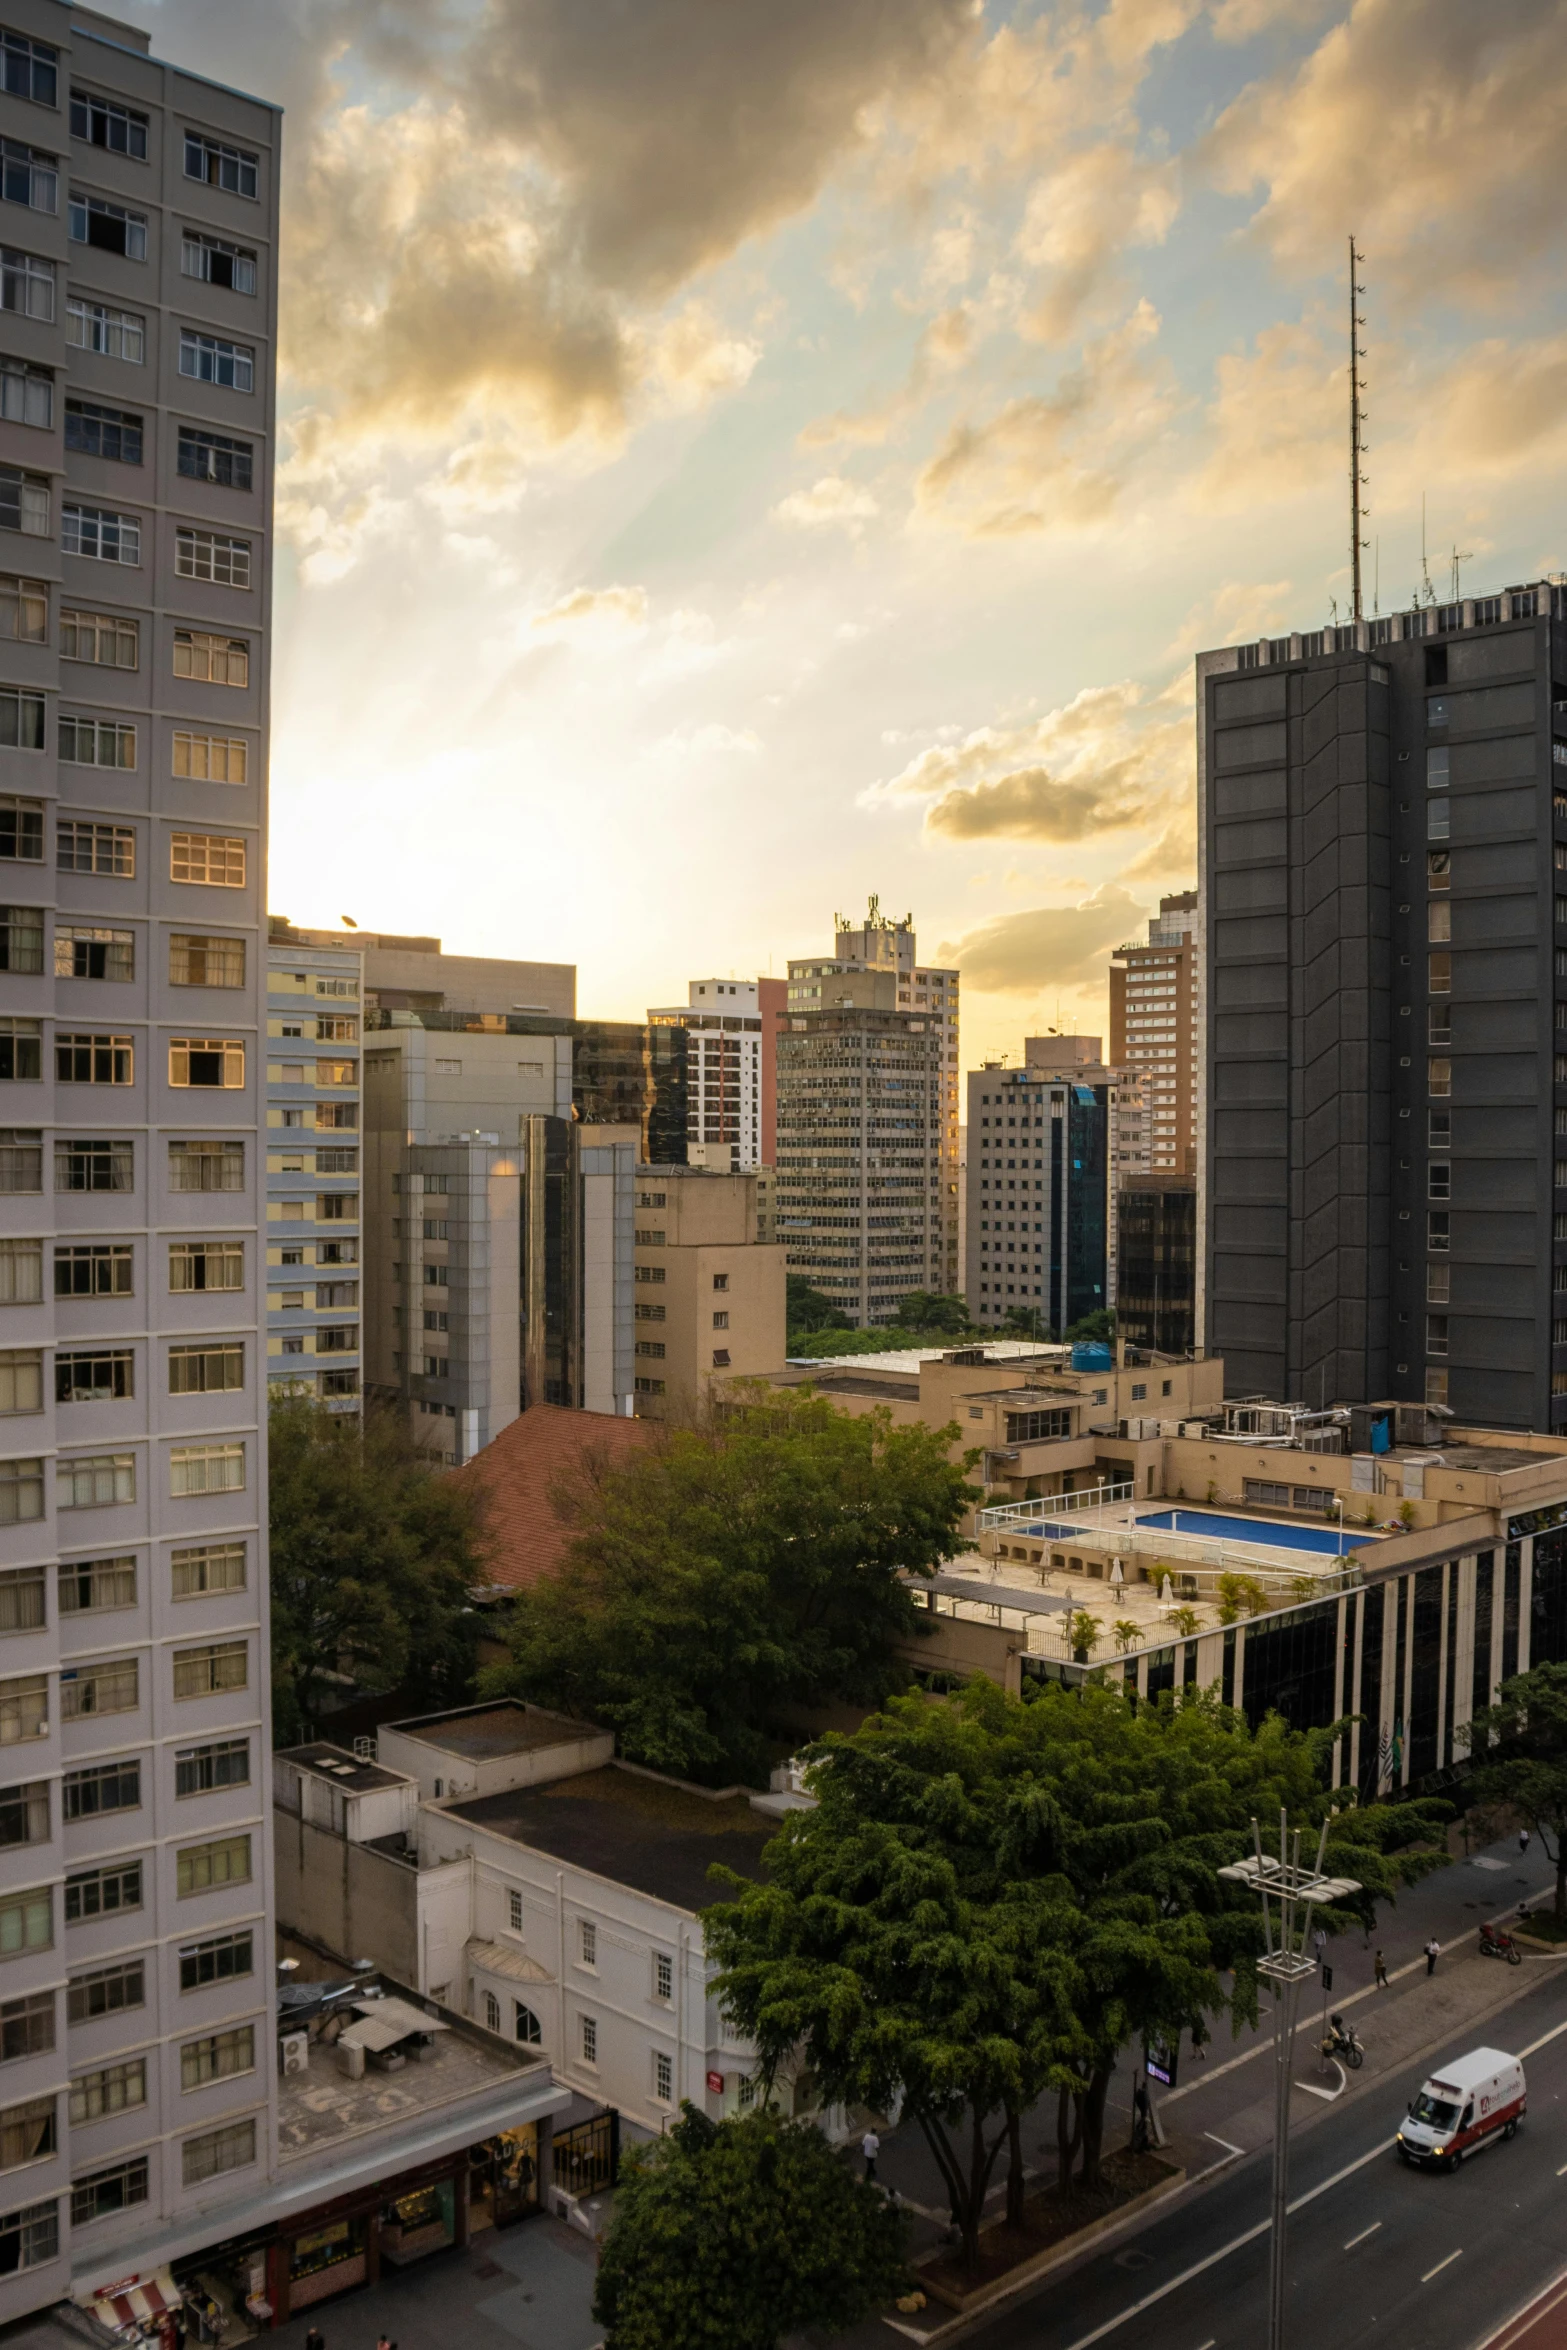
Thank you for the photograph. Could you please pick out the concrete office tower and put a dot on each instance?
(136, 410)
(1387, 1014)
(315, 1004)
(1039, 1184)
(710, 1294)
(731, 1069)
(867, 1158)
(1156, 1027)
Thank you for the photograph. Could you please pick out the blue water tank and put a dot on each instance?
(1091, 1354)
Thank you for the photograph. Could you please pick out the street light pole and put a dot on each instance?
(1285, 1966)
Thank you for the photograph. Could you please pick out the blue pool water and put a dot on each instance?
(1323, 1538)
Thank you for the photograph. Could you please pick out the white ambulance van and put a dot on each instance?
(1474, 2099)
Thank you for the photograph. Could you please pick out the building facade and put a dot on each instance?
(867, 1158)
(315, 1006)
(1039, 1188)
(710, 1291)
(1156, 1275)
(731, 1069)
(140, 224)
(1380, 820)
(1156, 1028)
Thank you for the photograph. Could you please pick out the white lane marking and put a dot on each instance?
(1225, 2143)
(1543, 2041)
(1364, 2233)
(1328, 2096)
(1562, 2173)
(1441, 2264)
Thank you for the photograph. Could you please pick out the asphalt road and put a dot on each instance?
(1377, 2251)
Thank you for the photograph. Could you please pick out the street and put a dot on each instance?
(1373, 2245)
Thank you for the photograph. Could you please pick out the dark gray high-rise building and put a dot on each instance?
(1380, 808)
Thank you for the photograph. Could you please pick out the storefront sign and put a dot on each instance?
(715, 2083)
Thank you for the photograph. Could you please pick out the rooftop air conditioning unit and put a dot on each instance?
(293, 2053)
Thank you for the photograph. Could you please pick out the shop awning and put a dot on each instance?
(127, 2308)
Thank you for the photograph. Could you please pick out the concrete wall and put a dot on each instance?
(466, 1775)
(356, 1900)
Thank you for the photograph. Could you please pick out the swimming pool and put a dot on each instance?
(1329, 1539)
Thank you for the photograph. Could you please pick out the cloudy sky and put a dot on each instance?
(741, 456)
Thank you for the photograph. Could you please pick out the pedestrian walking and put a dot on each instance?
(1523, 1840)
(1319, 1943)
(1433, 1953)
(870, 2147)
(1379, 1972)
(315, 2339)
(1200, 2039)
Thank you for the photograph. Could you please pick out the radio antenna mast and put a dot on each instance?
(1357, 446)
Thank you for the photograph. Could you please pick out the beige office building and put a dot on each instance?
(709, 1286)
(1155, 1007)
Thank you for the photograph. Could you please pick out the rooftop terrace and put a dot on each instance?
(323, 2107)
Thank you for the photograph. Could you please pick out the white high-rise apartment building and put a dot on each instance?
(138, 228)
(1154, 1015)
(724, 1065)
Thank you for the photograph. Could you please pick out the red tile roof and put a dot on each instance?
(525, 1468)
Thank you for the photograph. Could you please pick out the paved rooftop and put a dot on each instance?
(647, 1833)
(323, 2107)
(480, 1732)
(344, 1770)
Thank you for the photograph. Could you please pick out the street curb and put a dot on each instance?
(989, 2297)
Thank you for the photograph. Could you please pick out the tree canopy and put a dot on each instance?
(723, 1583)
(994, 1896)
(728, 2235)
(809, 1308)
(374, 1553)
(1519, 1747)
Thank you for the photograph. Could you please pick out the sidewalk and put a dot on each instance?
(528, 2287)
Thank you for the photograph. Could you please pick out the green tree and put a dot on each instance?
(1185, 1623)
(1099, 1324)
(925, 1309)
(375, 1555)
(1082, 1631)
(1519, 1746)
(811, 1309)
(1240, 1595)
(720, 1583)
(727, 2235)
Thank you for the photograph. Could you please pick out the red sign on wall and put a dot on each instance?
(715, 2082)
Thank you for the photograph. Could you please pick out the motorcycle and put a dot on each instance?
(1496, 1942)
(1343, 2042)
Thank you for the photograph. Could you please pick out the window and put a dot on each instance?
(492, 2012)
(26, 393)
(207, 1468)
(113, 334)
(663, 1975)
(93, 1268)
(107, 228)
(100, 534)
(22, 1607)
(26, 1921)
(1439, 920)
(99, 1689)
(214, 1061)
(1439, 1179)
(1437, 1233)
(29, 2238)
(103, 122)
(93, 1166)
(92, 1060)
(514, 1911)
(720, 1281)
(104, 2192)
(206, 1264)
(81, 953)
(745, 2092)
(720, 1358)
(217, 1566)
(648, 1386)
(107, 1990)
(208, 857)
(526, 2025)
(218, 263)
(214, 660)
(1438, 1281)
(21, 830)
(103, 432)
(195, 961)
(222, 1958)
(206, 554)
(201, 1868)
(207, 1672)
(27, 2133)
(216, 457)
(24, 616)
(24, 1814)
(100, 1788)
(95, 1481)
(21, 938)
(663, 2076)
(32, 69)
(21, 719)
(219, 2057)
(587, 1941)
(1438, 820)
(114, 2088)
(1439, 771)
(21, 1380)
(108, 849)
(29, 176)
(26, 2027)
(1440, 978)
(231, 168)
(338, 1207)
(217, 2151)
(21, 1050)
(1436, 1334)
(21, 1170)
(26, 284)
(590, 2039)
(24, 503)
(206, 1166)
(97, 742)
(91, 1586)
(21, 1492)
(24, 1709)
(201, 1770)
(653, 1347)
(211, 360)
(211, 1368)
